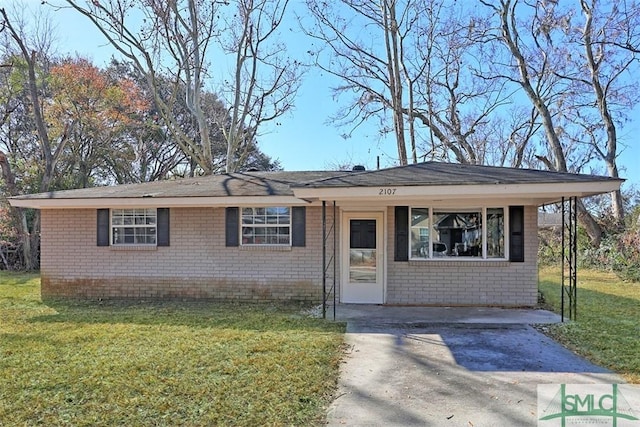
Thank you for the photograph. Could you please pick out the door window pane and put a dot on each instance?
(362, 265)
(362, 246)
(363, 234)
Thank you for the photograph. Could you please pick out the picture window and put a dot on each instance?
(475, 233)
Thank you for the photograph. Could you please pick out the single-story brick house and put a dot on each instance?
(430, 233)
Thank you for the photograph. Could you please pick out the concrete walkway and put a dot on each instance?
(357, 314)
(440, 366)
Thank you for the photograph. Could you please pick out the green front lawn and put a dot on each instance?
(607, 330)
(161, 364)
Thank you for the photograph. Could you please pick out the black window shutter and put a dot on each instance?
(298, 226)
(103, 227)
(402, 233)
(163, 226)
(516, 233)
(232, 222)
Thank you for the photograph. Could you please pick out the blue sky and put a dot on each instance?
(305, 140)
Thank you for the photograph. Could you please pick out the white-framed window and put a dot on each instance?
(471, 233)
(134, 226)
(266, 226)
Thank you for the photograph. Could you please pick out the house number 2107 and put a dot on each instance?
(387, 192)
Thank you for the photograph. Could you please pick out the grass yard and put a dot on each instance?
(607, 330)
(161, 364)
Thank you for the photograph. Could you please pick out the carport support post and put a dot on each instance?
(573, 253)
(569, 257)
(562, 262)
(324, 260)
(335, 245)
(332, 260)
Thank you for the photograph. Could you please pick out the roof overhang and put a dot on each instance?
(538, 194)
(453, 194)
(154, 202)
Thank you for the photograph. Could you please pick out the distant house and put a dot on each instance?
(430, 233)
(550, 219)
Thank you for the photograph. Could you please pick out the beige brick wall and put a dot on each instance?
(468, 282)
(199, 265)
(196, 265)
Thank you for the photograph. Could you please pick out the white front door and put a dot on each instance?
(363, 258)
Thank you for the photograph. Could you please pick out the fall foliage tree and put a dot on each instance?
(177, 42)
(96, 114)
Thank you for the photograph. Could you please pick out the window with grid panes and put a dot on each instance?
(134, 226)
(266, 226)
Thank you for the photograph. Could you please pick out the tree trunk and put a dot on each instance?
(609, 156)
(395, 78)
(26, 239)
(19, 214)
(510, 38)
(590, 225)
(34, 242)
(617, 203)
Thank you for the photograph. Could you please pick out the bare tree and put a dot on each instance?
(393, 44)
(530, 65)
(459, 110)
(265, 80)
(599, 72)
(180, 39)
(421, 73)
(50, 150)
(164, 39)
(378, 75)
(627, 15)
(31, 52)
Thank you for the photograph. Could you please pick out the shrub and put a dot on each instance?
(626, 257)
(619, 251)
(549, 246)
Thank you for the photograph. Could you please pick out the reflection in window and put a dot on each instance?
(266, 226)
(455, 233)
(362, 265)
(420, 233)
(495, 233)
(133, 226)
(459, 232)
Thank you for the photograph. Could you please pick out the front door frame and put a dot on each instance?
(380, 216)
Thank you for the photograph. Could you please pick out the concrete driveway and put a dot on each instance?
(449, 366)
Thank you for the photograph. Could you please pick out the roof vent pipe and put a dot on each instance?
(358, 168)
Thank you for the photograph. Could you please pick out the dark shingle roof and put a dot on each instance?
(278, 183)
(282, 183)
(434, 173)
